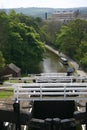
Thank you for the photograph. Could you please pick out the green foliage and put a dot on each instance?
(22, 44)
(4, 28)
(2, 62)
(72, 40)
(84, 61)
(5, 94)
(50, 30)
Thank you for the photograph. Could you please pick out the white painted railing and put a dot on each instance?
(51, 91)
(58, 79)
(53, 74)
(48, 74)
(51, 78)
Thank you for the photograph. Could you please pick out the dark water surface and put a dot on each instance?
(51, 64)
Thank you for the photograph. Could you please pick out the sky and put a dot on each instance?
(43, 3)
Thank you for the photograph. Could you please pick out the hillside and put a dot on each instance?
(40, 12)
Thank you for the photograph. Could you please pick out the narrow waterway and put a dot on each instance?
(51, 63)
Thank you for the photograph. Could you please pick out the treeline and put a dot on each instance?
(20, 41)
(35, 11)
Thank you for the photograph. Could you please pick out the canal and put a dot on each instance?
(51, 63)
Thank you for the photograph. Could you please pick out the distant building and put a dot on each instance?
(13, 70)
(65, 16)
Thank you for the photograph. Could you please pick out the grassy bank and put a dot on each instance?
(6, 93)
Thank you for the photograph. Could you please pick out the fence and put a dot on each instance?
(51, 91)
(49, 78)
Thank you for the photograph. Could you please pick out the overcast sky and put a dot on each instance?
(43, 3)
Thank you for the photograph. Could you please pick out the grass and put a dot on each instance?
(6, 93)
(18, 81)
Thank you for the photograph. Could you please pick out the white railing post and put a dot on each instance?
(40, 91)
(17, 92)
(71, 79)
(65, 92)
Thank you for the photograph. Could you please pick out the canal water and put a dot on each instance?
(51, 63)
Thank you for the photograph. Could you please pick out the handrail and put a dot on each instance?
(52, 91)
(75, 84)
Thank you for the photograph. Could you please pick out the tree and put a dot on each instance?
(71, 37)
(65, 42)
(2, 62)
(24, 47)
(73, 41)
(4, 28)
(84, 62)
(50, 30)
(22, 44)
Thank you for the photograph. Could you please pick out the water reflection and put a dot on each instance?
(51, 64)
